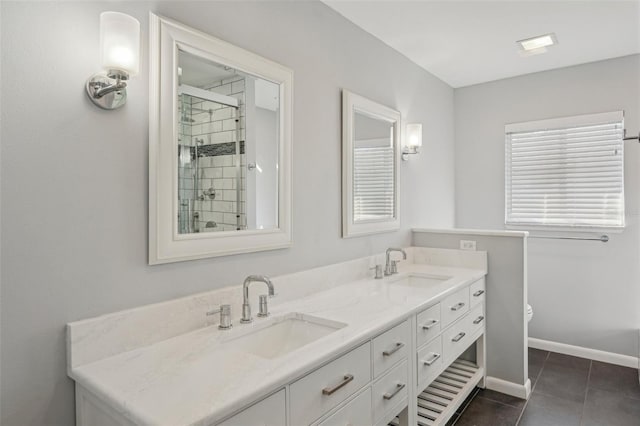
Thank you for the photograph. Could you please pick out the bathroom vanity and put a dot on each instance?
(339, 347)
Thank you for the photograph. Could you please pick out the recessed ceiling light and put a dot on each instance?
(537, 44)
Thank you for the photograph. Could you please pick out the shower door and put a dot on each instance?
(211, 160)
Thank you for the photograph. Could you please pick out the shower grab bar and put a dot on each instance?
(602, 238)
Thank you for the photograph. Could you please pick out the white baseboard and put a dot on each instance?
(510, 388)
(593, 354)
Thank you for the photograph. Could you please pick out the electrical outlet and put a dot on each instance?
(467, 245)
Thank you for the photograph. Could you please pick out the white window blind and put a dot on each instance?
(373, 184)
(566, 172)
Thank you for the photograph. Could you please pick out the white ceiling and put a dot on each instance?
(199, 72)
(471, 42)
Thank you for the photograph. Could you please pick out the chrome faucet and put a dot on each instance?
(246, 308)
(392, 265)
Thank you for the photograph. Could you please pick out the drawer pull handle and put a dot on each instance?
(346, 379)
(433, 359)
(457, 306)
(459, 336)
(431, 324)
(478, 293)
(478, 320)
(395, 349)
(399, 387)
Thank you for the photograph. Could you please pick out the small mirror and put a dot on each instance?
(370, 144)
(219, 147)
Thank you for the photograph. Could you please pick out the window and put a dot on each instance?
(373, 180)
(565, 172)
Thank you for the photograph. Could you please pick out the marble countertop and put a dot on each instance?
(195, 379)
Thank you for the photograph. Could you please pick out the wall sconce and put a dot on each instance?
(414, 140)
(119, 57)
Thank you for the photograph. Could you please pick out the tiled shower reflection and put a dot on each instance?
(212, 161)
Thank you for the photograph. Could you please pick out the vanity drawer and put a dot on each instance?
(429, 362)
(326, 387)
(271, 411)
(390, 391)
(356, 412)
(458, 337)
(477, 292)
(476, 319)
(390, 347)
(428, 325)
(455, 306)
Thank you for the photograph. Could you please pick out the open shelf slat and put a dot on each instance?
(438, 402)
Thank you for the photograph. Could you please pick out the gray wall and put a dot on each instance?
(74, 177)
(583, 293)
(505, 301)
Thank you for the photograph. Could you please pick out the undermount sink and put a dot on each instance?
(282, 335)
(421, 282)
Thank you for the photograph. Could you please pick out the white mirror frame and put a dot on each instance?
(165, 244)
(350, 104)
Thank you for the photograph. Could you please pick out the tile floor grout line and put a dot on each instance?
(475, 393)
(495, 400)
(586, 393)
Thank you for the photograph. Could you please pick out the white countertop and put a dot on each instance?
(193, 379)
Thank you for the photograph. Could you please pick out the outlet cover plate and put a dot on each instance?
(467, 245)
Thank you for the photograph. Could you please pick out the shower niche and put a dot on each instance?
(220, 147)
(227, 148)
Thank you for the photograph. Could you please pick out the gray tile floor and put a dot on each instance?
(566, 391)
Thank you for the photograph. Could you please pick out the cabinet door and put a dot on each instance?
(455, 306)
(390, 393)
(356, 413)
(429, 362)
(325, 388)
(477, 292)
(428, 326)
(390, 347)
(271, 411)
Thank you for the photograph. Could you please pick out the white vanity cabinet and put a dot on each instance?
(366, 386)
(443, 333)
(374, 382)
(406, 372)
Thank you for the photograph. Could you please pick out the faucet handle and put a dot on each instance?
(379, 274)
(264, 307)
(225, 316)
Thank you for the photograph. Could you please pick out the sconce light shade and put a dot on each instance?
(414, 140)
(414, 135)
(119, 57)
(119, 43)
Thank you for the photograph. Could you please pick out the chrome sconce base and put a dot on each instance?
(108, 90)
(406, 151)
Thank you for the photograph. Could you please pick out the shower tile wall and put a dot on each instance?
(213, 130)
(219, 173)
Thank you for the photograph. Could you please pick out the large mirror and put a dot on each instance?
(220, 160)
(370, 160)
